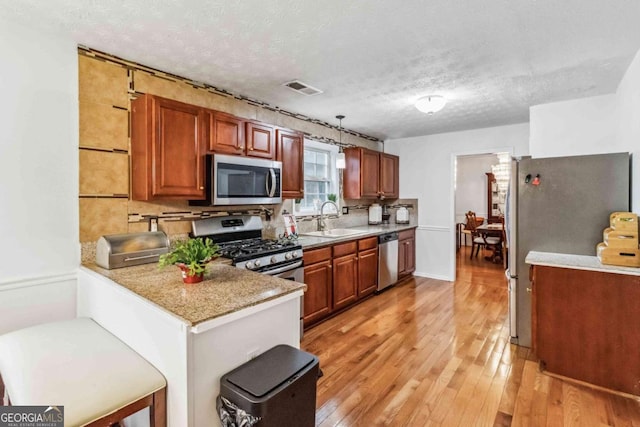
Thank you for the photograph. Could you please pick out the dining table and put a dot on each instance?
(492, 230)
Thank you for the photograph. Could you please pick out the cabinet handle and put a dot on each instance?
(202, 188)
(239, 147)
(529, 290)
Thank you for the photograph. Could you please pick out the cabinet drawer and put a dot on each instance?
(406, 234)
(316, 255)
(368, 243)
(344, 249)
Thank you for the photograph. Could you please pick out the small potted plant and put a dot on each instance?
(191, 256)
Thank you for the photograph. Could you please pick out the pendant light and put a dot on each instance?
(341, 161)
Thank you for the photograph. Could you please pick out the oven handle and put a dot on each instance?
(282, 269)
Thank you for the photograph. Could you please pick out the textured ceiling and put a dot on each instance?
(492, 59)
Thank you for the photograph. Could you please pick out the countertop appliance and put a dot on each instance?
(240, 239)
(387, 260)
(402, 215)
(375, 214)
(125, 250)
(385, 214)
(238, 180)
(560, 205)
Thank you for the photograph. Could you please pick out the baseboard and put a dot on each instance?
(432, 276)
(6, 285)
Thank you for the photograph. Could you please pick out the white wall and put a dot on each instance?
(471, 184)
(596, 125)
(628, 126)
(38, 176)
(579, 126)
(426, 174)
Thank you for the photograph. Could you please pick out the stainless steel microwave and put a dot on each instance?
(237, 180)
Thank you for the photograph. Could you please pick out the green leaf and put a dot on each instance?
(193, 253)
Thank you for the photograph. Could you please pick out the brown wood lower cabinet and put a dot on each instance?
(338, 276)
(367, 266)
(345, 280)
(317, 276)
(585, 325)
(406, 252)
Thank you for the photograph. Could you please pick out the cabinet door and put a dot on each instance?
(227, 133)
(367, 272)
(345, 281)
(369, 174)
(178, 154)
(317, 298)
(406, 252)
(402, 258)
(290, 151)
(167, 149)
(410, 256)
(260, 140)
(389, 176)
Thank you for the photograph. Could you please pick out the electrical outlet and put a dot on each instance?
(252, 354)
(345, 210)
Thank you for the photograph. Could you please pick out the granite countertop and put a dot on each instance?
(578, 262)
(225, 289)
(311, 242)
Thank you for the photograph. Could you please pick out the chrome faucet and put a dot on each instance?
(321, 224)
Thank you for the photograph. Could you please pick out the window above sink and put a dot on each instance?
(321, 179)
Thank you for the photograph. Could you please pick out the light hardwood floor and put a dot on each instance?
(429, 352)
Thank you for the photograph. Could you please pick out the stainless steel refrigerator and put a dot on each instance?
(561, 205)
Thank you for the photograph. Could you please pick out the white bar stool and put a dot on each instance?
(79, 365)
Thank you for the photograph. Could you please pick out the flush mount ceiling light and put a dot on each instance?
(431, 104)
(341, 161)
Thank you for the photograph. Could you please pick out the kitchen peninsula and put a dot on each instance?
(193, 334)
(585, 311)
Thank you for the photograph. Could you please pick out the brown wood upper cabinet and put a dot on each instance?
(389, 176)
(260, 141)
(227, 133)
(168, 141)
(234, 135)
(290, 151)
(370, 174)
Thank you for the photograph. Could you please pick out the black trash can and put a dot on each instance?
(278, 387)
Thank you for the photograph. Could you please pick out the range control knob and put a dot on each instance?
(257, 263)
(288, 255)
(274, 260)
(296, 254)
(249, 265)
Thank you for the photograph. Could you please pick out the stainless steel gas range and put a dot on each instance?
(240, 239)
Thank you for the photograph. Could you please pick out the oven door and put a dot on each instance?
(294, 272)
(240, 180)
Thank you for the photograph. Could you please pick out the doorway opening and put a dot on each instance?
(480, 191)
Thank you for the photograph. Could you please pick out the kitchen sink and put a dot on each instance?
(336, 232)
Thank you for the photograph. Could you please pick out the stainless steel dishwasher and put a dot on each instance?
(387, 260)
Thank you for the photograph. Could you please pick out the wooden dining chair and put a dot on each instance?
(478, 239)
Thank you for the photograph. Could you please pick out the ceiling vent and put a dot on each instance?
(303, 88)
